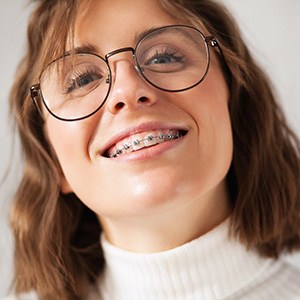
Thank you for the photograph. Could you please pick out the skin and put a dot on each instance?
(160, 197)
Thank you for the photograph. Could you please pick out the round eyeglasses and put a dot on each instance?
(172, 58)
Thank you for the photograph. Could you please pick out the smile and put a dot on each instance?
(141, 141)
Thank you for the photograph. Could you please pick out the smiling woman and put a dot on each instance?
(157, 161)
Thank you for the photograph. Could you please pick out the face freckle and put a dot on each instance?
(170, 171)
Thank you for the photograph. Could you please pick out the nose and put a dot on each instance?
(128, 89)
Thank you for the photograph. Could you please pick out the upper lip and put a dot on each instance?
(143, 127)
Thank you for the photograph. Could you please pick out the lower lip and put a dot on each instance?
(149, 152)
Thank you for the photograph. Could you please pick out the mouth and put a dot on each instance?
(143, 140)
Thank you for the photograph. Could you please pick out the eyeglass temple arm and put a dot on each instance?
(35, 93)
(213, 42)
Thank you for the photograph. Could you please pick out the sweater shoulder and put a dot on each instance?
(281, 280)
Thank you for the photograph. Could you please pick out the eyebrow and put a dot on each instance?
(90, 48)
(144, 33)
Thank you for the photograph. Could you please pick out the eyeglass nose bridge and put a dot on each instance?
(108, 55)
(125, 49)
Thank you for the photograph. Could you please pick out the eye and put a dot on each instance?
(163, 59)
(82, 81)
(85, 80)
(166, 56)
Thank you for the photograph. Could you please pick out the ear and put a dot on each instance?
(65, 186)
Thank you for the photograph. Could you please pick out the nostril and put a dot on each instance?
(120, 105)
(143, 99)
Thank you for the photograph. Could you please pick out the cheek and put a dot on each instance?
(69, 141)
(213, 101)
(210, 101)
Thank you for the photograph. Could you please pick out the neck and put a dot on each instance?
(214, 266)
(168, 228)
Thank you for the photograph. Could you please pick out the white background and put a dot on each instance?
(272, 28)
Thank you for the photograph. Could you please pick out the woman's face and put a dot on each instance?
(168, 174)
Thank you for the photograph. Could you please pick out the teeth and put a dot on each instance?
(160, 138)
(139, 142)
(150, 140)
(150, 137)
(119, 152)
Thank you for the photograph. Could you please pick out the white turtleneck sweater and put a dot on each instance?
(210, 267)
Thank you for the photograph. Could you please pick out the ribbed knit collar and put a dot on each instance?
(210, 267)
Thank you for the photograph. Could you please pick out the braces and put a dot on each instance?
(169, 136)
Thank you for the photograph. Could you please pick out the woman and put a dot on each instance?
(154, 129)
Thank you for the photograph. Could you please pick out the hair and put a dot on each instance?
(57, 249)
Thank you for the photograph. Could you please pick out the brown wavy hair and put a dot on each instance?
(57, 250)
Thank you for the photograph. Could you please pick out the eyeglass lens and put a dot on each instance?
(173, 58)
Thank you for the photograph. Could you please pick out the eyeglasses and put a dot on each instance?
(172, 58)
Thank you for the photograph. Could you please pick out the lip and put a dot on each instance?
(144, 127)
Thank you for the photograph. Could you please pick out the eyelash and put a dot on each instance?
(72, 83)
(166, 52)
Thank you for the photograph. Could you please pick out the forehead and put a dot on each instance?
(111, 24)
